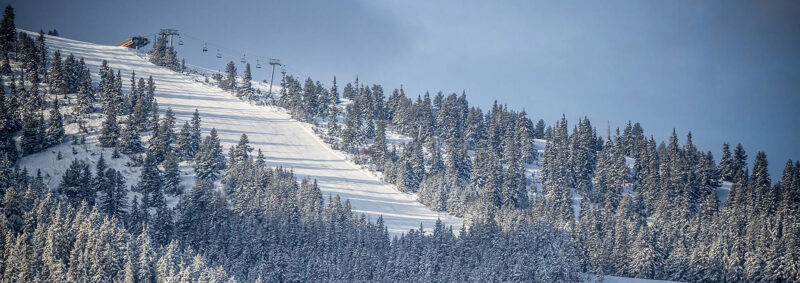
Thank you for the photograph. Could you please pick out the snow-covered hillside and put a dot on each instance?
(284, 141)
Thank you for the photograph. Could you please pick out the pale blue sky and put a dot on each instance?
(726, 70)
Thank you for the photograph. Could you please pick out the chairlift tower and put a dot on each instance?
(170, 33)
(273, 62)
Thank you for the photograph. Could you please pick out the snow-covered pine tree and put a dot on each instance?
(726, 164)
(193, 142)
(242, 150)
(58, 77)
(130, 142)
(72, 73)
(333, 121)
(55, 127)
(8, 145)
(165, 136)
(182, 141)
(32, 129)
(163, 228)
(333, 94)
(172, 175)
(109, 134)
(486, 177)
(150, 182)
(170, 60)
(99, 182)
(209, 161)
(76, 183)
(229, 83)
(8, 31)
(379, 144)
(159, 50)
(113, 198)
(83, 106)
(524, 136)
(739, 161)
(514, 192)
(246, 89)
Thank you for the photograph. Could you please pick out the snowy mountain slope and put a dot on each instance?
(284, 141)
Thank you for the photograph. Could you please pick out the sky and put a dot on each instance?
(726, 70)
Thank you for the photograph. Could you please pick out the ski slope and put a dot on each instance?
(284, 141)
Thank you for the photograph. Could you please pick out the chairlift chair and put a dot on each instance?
(180, 40)
(205, 48)
(258, 64)
(219, 55)
(243, 60)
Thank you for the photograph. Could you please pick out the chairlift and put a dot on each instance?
(180, 40)
(258, 64)
(243, 60)
(219, 55)
(205, 47)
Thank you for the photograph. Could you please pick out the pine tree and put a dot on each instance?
(539, 131)
(8, 146)
(140, 109)
(76, 183)
(5, 66)
(32, 131)
(99, 182)
(726, 164)
(137, 217)
(159, 50)
(8, 31)
(170, 60)
(166, 135)
(486, 177)
(58, 77)
(229, 83)
(83, 105)
(130, 142)
(209, 161)
(739, 161)
(524, 135)
(334, 93)
(113, 198)
(514, 190)
(55, 129)
(379, 145)
(246, 90)
(172, 177)
(147, 258)
(163, 225)
(762, 184)
(109, 134)
(260, 158)
(242, 150)
(182, 141)
(333, 123)
(150, 182)
(193, 143)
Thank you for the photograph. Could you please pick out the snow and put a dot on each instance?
(284, 141)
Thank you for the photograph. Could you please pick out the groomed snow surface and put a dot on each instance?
(285, 142)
